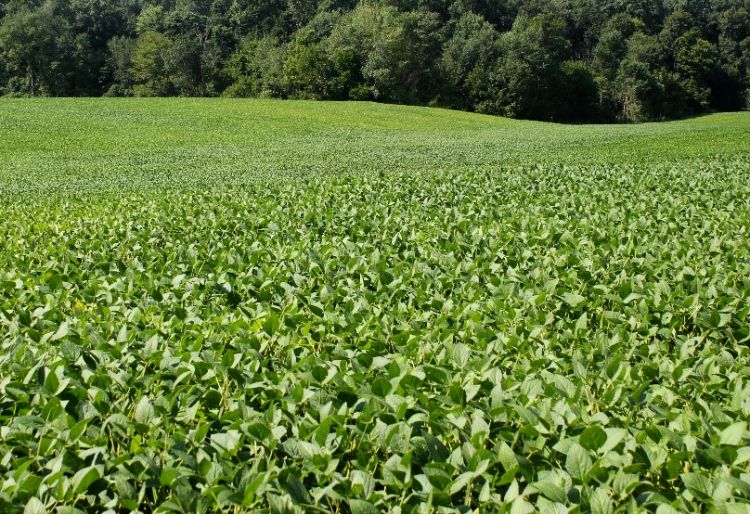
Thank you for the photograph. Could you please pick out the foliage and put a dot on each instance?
(530, 70)
(228, 306)
(640, 85)
(151, 65)
(34, 45)
(467, 58)
(256, 70)
(119, 65)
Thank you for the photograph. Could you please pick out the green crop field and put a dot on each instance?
(261, 306)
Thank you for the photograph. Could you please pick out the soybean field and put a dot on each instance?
(286, 307)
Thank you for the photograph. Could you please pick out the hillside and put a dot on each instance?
(287, 307)
(138, 143)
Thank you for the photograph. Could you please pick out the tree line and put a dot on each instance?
(563, 60)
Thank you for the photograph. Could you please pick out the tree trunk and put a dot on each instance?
(32, 86)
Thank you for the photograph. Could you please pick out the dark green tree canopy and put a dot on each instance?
(567, 60)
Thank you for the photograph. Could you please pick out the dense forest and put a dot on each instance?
(566, 60)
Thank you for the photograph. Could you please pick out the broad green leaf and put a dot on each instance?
(521, 506)
(84, 478)
(666, 509)
(283, 505)
(614, 437)
(461, 482)
(582, 323)
(698, 484)
(381, 387)
(34, 506)
(362, 507)
(733, 434)
(743, 455)
(600, 502)
(144, 411)
(574, 300)
(297, 490)
(736, 508)
(578, 462)
(593, 438)
(228, 441)
(61, 332)
(551, 491)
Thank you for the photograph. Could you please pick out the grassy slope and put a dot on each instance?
(445, 294)
(120, 143)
